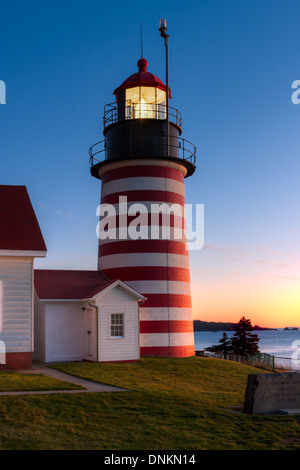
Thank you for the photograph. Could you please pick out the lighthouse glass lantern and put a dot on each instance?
(145, 102)
(144, 159)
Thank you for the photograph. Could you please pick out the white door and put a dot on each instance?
(90, 335)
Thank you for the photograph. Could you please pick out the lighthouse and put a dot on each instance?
(143, 163)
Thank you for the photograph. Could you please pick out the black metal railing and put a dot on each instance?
(177, 146)
(114, 112)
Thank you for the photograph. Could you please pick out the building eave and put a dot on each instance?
(24, 253)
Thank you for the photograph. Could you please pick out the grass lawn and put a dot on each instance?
(173, 404)
(14, 382)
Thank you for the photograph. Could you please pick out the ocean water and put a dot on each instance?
(283, 344)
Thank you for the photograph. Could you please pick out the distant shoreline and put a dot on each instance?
(200, 325)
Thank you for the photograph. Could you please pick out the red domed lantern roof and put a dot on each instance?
(141, 78)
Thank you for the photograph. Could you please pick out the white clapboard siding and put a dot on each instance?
(118, 349)
(16, 275)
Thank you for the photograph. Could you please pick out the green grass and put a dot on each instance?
(173, 404)
(14, 382)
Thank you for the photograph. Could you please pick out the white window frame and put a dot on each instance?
(116, 325)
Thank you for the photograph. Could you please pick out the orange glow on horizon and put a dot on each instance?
(271, 304)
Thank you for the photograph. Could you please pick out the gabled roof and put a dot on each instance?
(53, 284)
(19, 228)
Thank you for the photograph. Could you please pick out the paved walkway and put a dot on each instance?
(39, 368)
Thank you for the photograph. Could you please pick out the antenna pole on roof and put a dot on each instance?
(142, 40)
(163, 33)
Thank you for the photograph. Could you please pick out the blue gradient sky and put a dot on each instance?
(232, 64)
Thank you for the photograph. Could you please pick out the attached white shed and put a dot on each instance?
(80, 315)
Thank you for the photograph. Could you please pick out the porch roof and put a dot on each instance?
(54, 284)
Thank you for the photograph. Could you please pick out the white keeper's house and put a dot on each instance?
(57, 315)
(21, 241)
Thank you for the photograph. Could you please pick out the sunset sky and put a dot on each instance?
(232, 65)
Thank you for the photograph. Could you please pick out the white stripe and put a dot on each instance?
(182, 339)
(157, 313)
(124, 260)
(142, 183)
(154, 339)
(161, 287)
(162, 339)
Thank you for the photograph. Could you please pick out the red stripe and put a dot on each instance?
(143, 196)
(142, 170)
(143, 246)
(148, 273)
(162, 326)
(165, 351)
(166, 300)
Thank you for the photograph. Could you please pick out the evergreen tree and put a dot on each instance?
(224, 346)
(244, 342)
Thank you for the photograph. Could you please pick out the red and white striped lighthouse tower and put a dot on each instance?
(143, 160)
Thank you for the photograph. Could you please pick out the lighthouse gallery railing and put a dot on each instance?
(186, 150)
(127, 110)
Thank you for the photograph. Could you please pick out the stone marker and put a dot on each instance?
(271, 393)
(295, 411)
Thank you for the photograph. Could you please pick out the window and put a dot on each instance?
(117, 325)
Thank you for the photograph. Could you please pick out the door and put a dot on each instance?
(90, 334)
